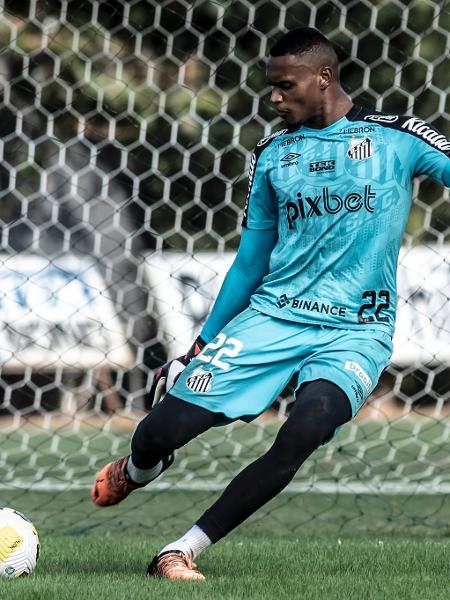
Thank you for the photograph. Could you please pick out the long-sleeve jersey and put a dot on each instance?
(339, 200)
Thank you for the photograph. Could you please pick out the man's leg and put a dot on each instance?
(320, 407)
(170, 425)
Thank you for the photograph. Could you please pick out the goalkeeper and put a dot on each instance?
(311, 293)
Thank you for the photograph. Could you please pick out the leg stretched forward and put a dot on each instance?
(170, 425)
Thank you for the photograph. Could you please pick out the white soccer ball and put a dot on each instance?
(19, 544)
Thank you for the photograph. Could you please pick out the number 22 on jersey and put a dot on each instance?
(221, 347)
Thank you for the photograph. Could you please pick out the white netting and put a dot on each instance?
(126, 129)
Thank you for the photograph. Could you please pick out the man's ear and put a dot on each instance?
(326, 75)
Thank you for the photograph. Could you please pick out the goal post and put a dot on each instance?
(126, 132)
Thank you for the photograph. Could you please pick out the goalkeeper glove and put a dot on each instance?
(167, 375)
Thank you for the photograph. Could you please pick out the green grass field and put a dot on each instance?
(304, 545)
(96, 568)
(311, 546)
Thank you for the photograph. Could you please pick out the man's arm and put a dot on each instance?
(431, 153)
(446, 175)
(244, 276)
(259, 236)
(258, 239)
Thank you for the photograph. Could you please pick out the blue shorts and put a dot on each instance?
(242, 371)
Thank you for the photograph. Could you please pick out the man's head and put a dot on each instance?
(302, 69)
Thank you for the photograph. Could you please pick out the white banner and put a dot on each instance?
(57, 313)
(183, 288)
(422, 332)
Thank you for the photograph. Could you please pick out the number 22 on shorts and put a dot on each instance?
(219, 348)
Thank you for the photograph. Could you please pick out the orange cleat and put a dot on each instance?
(112, 484)
(174, 565)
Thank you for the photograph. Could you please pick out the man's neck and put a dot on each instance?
(334, 108)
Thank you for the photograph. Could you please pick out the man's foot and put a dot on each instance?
(112, 483)
(174, 565)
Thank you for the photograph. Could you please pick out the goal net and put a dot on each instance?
(126, 133)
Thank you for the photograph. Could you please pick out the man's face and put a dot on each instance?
(295, 81)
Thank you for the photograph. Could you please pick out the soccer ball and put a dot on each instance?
(19, 544)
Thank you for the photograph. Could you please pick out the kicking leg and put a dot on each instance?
(169, 425)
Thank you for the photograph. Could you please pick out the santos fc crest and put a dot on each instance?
(360, 149)
(200, 381)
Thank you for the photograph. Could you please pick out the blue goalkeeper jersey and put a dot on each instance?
(339, 198)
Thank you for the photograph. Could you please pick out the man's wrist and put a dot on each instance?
(196, 348)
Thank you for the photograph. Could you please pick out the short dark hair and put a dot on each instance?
(299, 41)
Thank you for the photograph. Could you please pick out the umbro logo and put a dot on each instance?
(290, 157)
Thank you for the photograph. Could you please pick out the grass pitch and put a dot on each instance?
(97, 568)
(305, 545)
